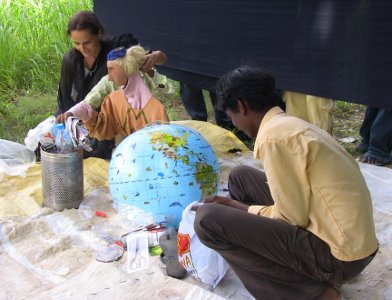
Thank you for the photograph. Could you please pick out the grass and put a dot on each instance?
(348, 119)
(25, 113)
(33, 41)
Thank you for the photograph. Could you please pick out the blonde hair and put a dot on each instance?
(132, 61)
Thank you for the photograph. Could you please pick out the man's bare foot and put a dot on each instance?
(371, 161)
(330, 293)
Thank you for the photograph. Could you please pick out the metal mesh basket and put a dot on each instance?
(62, 179)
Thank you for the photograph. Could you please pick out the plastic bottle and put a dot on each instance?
(62, 139)
(56, 128)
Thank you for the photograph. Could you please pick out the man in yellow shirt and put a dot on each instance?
(305, 226)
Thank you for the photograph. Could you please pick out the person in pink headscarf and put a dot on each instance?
(132, 106)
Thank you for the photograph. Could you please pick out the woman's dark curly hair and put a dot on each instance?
(85, 20)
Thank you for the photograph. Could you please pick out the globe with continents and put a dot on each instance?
(162, 168)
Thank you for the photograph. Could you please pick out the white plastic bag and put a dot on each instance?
(13, 153)
(14, 158)
(200, 261)
(40, 133)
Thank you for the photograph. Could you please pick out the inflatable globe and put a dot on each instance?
(162, 168)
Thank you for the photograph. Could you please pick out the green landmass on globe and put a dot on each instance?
(169, 145)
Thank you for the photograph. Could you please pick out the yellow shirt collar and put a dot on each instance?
(271, 113)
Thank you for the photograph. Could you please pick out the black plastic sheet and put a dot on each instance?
(339, 49)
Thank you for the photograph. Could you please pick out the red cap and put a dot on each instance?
(100, 214)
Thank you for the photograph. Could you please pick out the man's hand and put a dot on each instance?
(227, 201)
(152, 59)
(149, 62)
(61, 118)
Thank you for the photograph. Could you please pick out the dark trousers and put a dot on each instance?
(193, 100)
(273, 259)
(101, 149)
(376, 133)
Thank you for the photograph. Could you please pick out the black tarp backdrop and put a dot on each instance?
(338, 49)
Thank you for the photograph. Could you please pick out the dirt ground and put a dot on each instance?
(348, 119)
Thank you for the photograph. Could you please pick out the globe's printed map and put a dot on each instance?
(161, 169)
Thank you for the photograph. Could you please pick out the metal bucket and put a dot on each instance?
(62, 179)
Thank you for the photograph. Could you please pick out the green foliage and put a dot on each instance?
(25, 114)
(343, 106)
(33, 41)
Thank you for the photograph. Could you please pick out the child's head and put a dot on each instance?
(250, 84)
(126, 40)
(125, 61)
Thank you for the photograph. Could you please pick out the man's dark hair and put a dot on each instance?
(250, 84)
(125, 40)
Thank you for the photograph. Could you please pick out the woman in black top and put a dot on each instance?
(83, 66)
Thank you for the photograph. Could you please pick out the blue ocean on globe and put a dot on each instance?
(162, 168)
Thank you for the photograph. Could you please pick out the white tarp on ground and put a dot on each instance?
(51, 255)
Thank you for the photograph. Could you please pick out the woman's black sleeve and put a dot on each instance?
(67, 76)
